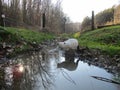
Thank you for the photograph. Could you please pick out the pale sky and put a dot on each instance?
(78, 9)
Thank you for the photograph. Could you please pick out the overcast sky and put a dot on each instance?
(78, 9)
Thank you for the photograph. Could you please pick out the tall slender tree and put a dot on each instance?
(24, 10)
(30, 10)
(1, 20)
(15, 11)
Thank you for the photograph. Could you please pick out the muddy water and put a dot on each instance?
(53, 70)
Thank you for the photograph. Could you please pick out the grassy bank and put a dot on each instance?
(107, 39)
(31, 36)
(22, 39)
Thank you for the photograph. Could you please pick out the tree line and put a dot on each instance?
(110, 16)
(29, 13)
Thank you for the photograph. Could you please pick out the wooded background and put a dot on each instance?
(110, 16)
(28, 14)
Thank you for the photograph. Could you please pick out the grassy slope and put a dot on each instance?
(106, 39)
(27, 35)
(22, 39)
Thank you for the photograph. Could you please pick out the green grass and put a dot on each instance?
(29, 35)
(22, 39)
(107, 39)
(65, 35)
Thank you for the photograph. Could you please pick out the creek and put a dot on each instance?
(50, 69)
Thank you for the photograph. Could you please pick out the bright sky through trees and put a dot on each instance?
(78, 9)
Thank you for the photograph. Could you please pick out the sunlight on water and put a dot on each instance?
(55, 71)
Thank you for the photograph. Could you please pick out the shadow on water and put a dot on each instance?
(40, 71)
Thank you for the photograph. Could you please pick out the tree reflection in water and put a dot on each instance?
(37, 73)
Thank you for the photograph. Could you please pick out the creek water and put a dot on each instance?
(53, 70)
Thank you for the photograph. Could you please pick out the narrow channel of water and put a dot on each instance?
(56, 70)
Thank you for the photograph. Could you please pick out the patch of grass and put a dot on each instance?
(76, 35)
(29, 35)
(22, 39)
(65, 35)
(107, 39)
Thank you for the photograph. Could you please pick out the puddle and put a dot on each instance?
(56, 70)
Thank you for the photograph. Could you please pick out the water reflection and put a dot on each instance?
(36, 70)
(40, 71)
(69, 63)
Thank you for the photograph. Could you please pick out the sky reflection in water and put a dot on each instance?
(56, 71)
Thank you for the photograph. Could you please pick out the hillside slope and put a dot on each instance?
(107, 39)
(14, 40)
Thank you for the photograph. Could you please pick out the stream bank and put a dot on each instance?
(15, 41)
(98, 58)
(92, 56)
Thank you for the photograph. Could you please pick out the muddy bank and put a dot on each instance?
(98, 58)
(91, 56)
(8, 50)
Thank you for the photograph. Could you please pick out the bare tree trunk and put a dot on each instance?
(92, 25)
(30, 12)
(38, 20)
(24, 10)
(0, 12)
(43, 20)
(1, 9)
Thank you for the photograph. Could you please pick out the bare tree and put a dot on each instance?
(30, 12)
(24, 10)
(37, 13)
(15, 11)
(1, 21)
